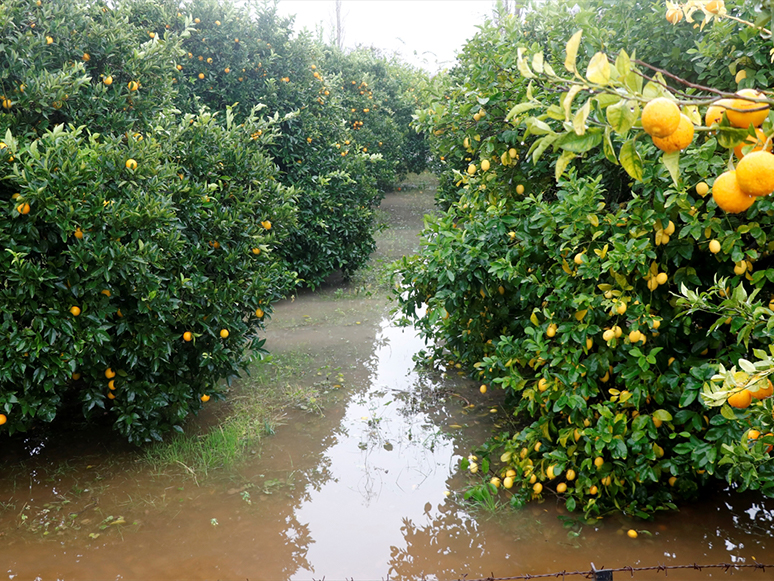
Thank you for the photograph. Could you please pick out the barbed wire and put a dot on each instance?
(631, 570)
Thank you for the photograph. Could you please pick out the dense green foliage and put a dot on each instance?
(340, 163)
(521, 287)
(152, 217)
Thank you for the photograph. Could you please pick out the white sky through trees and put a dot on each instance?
(426, 33)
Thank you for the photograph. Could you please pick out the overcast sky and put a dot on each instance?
(425, 33)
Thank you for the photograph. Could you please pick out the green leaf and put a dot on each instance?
(567, 101)
(579, 121)
(607, 146)
(541, 145)
(622, 115)
(579, 143)
(630, 160)
(521, 108)
(730, 137)
(672, 163)
(663, 415)
(537, 62)
(572, 51)
(727, 412)
(623, 63)
(598, 71)
(522, 64)
(562, 163)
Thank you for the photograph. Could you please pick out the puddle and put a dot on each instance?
(357, 492)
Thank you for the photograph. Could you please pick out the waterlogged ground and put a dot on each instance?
(356, 491)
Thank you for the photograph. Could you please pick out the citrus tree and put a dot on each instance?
(575, 182)
(138, 245)
(331, 157)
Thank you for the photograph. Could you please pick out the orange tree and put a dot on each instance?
(237, 58)
(553, 269)
(379, 97)
(138, 246)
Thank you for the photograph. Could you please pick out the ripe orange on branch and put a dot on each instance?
(660, 117)
(679, 139)
(728, 196)
(755, 173)
(747, 111)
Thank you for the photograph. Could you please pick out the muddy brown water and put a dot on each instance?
(355, 493)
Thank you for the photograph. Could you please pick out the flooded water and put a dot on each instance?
(358, 492)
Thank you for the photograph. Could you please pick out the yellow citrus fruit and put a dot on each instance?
(715, 111)
(75, 311)
(761, 390)
(485, 165)
(205, 398)
(657, 421)
(471, 169)
(748, 113)
(714, 246)
(598, 461)
(112, 384)
(133, 85)
(608, 335)
(679, 139)
(109, 373)
(187, 336)
(551, 331)
(713, 6)
(660, 117)
(741, 399)
(561, 487)
(131, 164)
(593, 490)
(78, 233)
(111, 395)
(201, 75)
(76, 376)
(482, 389)
(537, 488)
(728, 196)
(224, 333)
(108, 80)
(755, 173)
(661, 278)
(702, 189)
(621, 308)
(757, 142)
(631, 533)
(508, 482)
(672, 480)
(259, 312)
(23, 208)
(3, 419)
(674, 15)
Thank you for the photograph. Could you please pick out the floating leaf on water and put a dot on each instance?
(93, 535)
(493, 410)
(455, 426)
(119, 521)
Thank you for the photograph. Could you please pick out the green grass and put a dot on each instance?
(257, 409)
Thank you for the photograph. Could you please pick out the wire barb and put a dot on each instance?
(631, 570)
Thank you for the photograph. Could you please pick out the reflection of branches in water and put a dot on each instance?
(444, 548)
